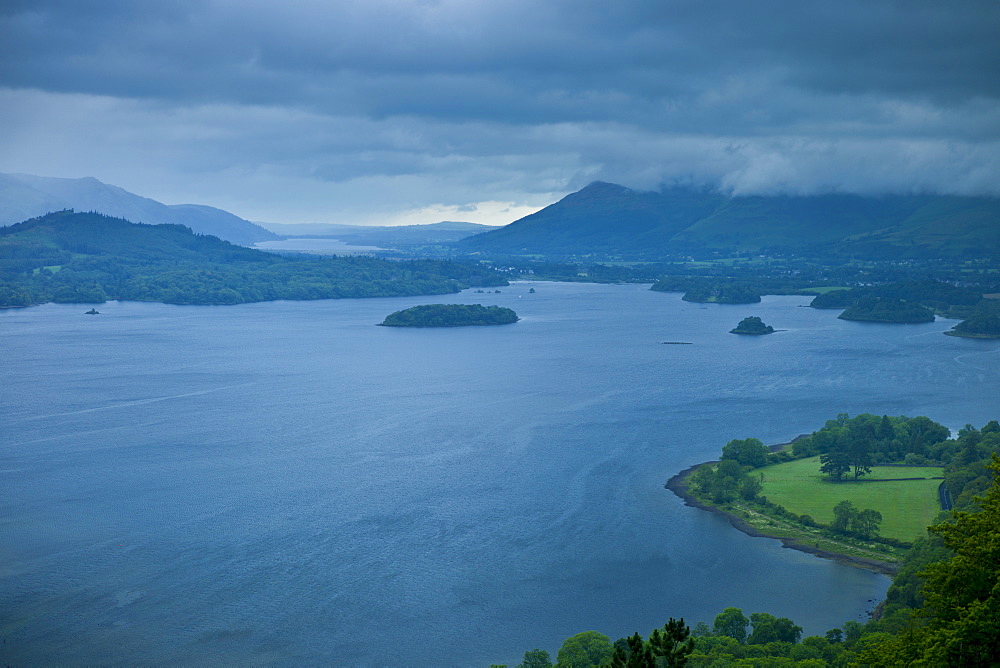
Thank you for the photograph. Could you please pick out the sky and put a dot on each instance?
(395, 112)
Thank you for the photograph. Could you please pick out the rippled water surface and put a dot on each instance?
(287, 483)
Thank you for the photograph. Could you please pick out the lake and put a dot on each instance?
(318, 246)
(287, 483)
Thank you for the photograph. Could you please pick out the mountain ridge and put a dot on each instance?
(26, 196)
(610, 219)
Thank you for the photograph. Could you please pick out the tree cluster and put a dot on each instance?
(862, 523)
(450, 315)
(982, 322)
(959, 621)
(851, 445)
(722, 293)
(752, 325)
(931, 294)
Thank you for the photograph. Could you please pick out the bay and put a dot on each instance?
(287, 483)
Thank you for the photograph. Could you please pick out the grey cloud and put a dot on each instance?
(447, 101)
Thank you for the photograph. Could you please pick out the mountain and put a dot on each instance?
(609, 219)
(23, 196)
(382, 235)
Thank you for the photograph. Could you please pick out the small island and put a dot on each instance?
(450, 315)
(753, 326)
(93, 311)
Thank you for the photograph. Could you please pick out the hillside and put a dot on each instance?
(23, 196)
(611, 220)
(88, 257)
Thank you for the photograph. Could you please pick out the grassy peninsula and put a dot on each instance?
(926, 618)
(859, 490)
(451, 315)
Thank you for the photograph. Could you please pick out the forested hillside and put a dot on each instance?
(90, 258)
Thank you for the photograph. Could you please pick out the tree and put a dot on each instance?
(843, 516)
(751, 486)
(748, 452)
(733, 623)
(885, 432)
(962, 595)
(866, 523)
(836, 462)
(701, 629)
(639, 655)
(536, 658)
(860, 453)
(768, 628)
(722, 482)
(585, 650)
(674, 643)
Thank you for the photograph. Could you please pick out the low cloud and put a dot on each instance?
(375, 110)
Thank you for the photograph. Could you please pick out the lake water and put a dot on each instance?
(288, 483)
(317, 246)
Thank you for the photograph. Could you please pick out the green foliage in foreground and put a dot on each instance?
(959, 623)
(451, 315)
(943, 609)
(100, 258)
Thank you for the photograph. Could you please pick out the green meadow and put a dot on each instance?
(907, 506)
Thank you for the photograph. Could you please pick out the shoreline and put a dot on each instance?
(678, 485)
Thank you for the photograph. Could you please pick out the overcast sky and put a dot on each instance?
(402, 111)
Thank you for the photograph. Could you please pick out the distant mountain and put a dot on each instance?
(23, 196)
(383, 235)
(610, 219)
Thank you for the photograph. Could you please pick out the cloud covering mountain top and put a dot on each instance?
(377, 111)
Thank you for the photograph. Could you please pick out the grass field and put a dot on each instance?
(907, 506)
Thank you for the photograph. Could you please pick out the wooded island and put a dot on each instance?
(450, 315)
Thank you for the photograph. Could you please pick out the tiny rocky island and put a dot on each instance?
(753, 326)
(450, 315)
